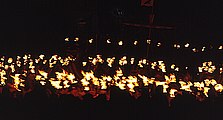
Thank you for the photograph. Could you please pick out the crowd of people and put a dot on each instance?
(88, 87)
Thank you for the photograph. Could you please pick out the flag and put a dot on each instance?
(147, 3)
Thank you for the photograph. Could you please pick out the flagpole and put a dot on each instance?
(150, 29)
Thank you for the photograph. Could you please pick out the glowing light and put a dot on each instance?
(218, 87)
(176, 46)
(120, 43)
(123, 61)
(42, 82)
(66, 39)
(203, 49)
(108, 41)
(71, 77)
(172, 66)
(90, 41)
(55, 84)
(10, 60)
(177, 69)
(43, 73)
(172, 92)
(162, 66)
(194, 50)
(148, 41)
(153, 65)
(6, 67)
(84, 63)
(135, 42)
(12, 68)
(187, 45)
(2, 58)
(206, 89)
(128, 83)
(220, 47)
(185, 86)
(221, 70)
(41, 56)
(76, 39)
(207, 66)
(110, 61)
(3, 77)
(132, 60)
(119, 72)
(17, 81)
(158, 44)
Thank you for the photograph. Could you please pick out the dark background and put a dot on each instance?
(42, 25)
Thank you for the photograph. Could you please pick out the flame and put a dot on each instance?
(43, 73)
(176, 46)
(3, 58)
(6, 67)
(119, 72)
(187, 45)
(64, 79)
(132, 82)
(103, 84)
(206, 89)
(61, 76)
(172, 92)
(153, 65)
(108, 41)
(45, 61)
(120, 43)
(218, 87)
(110, 61)
(121, 85)
(66, 39)
(203, 48)
(148, 41)
(65, 84)
(41, 56)
(123, 61)
(71, 78)
(55, 84)
(43, 82)
(145, 80)
(90, 41)
(12, 68)
(162, 66)
(194, 50)
(10, 60)
(207, 66)
(185, 86)
(76, 39)
(39, 77)
(132, 60)
(158, 44)
(17, 81)
(135, 42)
(1, 64)
(199, 85)
(3, 77)
(84, 64)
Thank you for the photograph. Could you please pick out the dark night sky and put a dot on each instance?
(28, 23)
(198, 21)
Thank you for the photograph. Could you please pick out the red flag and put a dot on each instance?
(147, 3)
